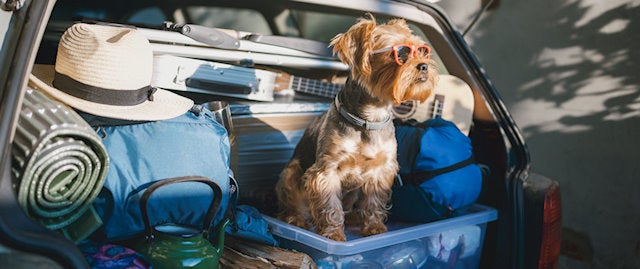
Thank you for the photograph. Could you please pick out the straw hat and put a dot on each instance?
(106, 71)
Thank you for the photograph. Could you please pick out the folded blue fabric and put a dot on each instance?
(250, 225)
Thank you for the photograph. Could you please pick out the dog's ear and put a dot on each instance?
(354, 46)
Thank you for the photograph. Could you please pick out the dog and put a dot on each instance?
(344, 166)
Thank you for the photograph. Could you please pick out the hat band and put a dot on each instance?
(102, 95)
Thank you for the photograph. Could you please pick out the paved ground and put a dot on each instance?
(568, 71)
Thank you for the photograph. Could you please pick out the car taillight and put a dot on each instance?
(552, 229)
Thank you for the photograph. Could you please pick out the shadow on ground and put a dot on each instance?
(568, 71)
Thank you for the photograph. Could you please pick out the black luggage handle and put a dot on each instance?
(217, 86)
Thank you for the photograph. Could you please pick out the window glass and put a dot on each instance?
(324, 26)
(246, 20)
(6, 44)
(148, 16)
(5, 18)
(321, 26)
(77, 13)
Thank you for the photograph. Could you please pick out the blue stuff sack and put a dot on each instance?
(250, 225)
(437, 171)
(192, 144)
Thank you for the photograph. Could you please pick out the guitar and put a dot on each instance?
(452, 100)
(314, 87)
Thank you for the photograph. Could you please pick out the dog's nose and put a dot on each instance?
(423, 67)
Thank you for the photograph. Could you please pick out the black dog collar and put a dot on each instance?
(355, 120)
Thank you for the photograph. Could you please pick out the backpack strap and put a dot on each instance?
(230, 211)
(418, 177)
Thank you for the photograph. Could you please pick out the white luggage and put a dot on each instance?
(200, 76)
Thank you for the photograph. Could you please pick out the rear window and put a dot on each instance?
(246, 20)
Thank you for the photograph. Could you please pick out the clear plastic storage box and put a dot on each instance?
(450, 243)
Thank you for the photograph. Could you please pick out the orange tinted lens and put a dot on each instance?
(423, 51)
(403, 53)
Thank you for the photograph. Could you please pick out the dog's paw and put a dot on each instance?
(297, 221)
(301, 223)
(336, 236)
(374, 228)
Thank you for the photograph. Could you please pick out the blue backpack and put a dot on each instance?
(437, 171)
(193, 144)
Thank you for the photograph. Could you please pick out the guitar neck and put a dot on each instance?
(458, 109)
(315, 87)
(307, 85)
(438, 106)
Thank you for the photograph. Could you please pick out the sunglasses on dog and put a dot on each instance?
(402, 52)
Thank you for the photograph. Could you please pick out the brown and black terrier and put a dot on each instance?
(344, 166)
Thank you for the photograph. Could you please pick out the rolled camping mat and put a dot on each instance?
(59, 166)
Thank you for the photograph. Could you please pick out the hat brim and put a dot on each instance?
(165, 104)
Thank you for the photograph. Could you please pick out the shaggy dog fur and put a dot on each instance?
(342, 172)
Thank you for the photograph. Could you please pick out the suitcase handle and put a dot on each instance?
(217, 86)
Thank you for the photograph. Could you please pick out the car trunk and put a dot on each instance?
(265, 133)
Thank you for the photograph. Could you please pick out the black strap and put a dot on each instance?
(230, 212)
(418, 177)
(102, 95)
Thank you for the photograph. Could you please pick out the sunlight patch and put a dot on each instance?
(595, 8)
(615, 26)
(568, 56)
(539, 116)
(550, 57)
(531, 85)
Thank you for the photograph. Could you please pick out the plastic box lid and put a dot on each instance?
(397, 233)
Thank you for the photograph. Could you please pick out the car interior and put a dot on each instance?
(267, 127)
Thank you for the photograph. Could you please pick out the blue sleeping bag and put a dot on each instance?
(437, 171)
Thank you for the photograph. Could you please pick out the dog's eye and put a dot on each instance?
(404, 53)
(423, 51)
